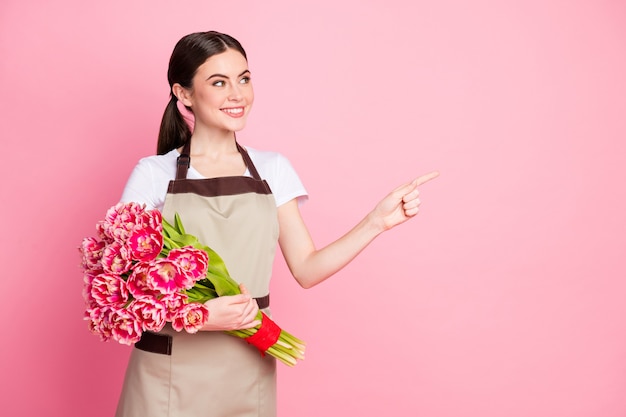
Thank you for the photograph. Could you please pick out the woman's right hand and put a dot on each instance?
(232, 312)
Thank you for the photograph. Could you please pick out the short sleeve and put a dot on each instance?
(288, 185)
(148, 181)
(281, 176)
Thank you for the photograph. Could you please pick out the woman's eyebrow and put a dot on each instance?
(224, 76)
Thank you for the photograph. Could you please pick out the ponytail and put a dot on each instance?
(174, 131)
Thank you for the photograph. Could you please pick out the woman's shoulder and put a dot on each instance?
(160, 160)
(267, 160)
(263, 155)
(159, 165)
(149, 179)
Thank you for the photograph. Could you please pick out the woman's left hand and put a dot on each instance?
(402, 203)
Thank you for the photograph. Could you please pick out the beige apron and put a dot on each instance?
(212, 374)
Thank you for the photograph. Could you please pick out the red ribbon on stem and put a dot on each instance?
(266, 336)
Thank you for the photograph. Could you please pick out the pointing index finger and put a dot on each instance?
(425, 178)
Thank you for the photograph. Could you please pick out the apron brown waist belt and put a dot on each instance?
(162, 343)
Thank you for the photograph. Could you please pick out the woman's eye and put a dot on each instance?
(244, 80)
(219, 83)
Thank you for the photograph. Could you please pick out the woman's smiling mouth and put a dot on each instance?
(234, 111)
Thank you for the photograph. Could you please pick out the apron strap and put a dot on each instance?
(248, 162)
(183, 162)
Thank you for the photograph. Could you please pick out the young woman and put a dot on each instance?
(240, 201)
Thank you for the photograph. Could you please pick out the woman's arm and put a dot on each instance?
(311, 266)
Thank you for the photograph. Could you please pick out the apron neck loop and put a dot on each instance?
(183, 162)
(248, 162)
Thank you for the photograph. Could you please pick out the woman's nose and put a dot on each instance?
(235, 92)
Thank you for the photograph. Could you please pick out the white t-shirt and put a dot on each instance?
(151, 176)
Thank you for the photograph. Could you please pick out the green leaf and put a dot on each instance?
(179, 224)
(169, 230)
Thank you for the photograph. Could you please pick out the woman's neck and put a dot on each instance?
(212, 143)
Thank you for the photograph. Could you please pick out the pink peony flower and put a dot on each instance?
(145, 244)
(99, 322)
(150, 312)
(102, 235)
(173, 303)
(115, 259)
(165, 276)
(122, 220)
(91, 250)
(137, 283)
(125, 326)
(109, 290)
(87, 280)
(192, 261)
(152, 219)
(190, 317)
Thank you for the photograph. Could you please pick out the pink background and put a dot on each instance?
(505, 297)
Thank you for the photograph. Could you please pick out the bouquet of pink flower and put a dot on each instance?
(141, 272)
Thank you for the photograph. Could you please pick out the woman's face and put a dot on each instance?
(222, 95)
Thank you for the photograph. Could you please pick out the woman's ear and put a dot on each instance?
(182, 94)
